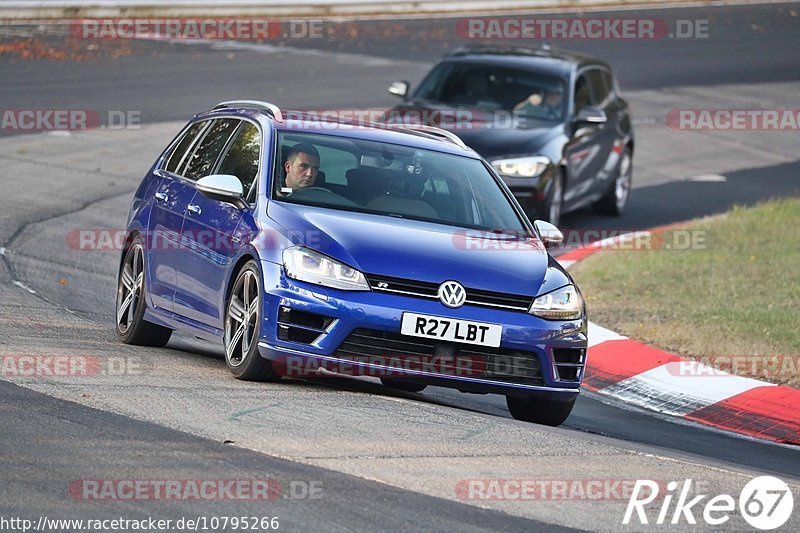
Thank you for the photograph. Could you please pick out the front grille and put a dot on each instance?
(569, 363)
(398, 351)
(301, 326)
(424, 289)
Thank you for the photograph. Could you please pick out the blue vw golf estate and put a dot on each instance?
(313, 246)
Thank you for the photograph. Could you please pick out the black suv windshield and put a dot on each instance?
(493, 88)
(393, 180)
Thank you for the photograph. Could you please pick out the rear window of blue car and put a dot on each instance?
(397, 181)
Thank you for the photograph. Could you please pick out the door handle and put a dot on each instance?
(194, 209)
(161, 196)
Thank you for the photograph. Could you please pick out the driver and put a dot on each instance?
(302, 166)
(546, 105)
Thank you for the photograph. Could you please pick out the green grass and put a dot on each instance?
(738, 294)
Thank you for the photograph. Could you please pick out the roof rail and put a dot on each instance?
(432, 130)
(543, 49)
(271, 109)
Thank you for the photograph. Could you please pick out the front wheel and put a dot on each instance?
(242, 322)
(555, 201)
(615, 199)
(539, 410)
(132, 328)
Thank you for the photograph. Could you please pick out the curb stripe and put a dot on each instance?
(768, 412)
(665, 390)
(613, 361)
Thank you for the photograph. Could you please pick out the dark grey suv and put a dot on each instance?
(552, 123)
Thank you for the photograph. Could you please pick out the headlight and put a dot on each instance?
(313, 267)
(522, 167)
(561, 304)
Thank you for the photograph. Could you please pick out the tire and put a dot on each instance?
(241, 325)
(131, 326)
(539, 411)
(555, 202)
(402, 384)
(614, 201)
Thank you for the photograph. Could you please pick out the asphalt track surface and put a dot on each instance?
(386, 460)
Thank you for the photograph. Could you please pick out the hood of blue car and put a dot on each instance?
(417, 250)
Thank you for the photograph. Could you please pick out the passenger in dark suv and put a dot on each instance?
(551, 123)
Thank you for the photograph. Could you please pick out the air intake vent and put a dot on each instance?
(569, 363)
(301, 326)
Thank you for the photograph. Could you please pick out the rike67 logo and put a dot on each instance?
(765, 503)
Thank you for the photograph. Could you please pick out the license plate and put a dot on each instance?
(451, 329)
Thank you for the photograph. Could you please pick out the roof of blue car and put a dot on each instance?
(326, 124)
(315, 123)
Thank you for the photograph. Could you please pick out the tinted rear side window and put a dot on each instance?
(600, 89)
(241, 160)
(582, 96)
(183, 145)
(205, 156)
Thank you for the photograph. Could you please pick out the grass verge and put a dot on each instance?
(724, 291)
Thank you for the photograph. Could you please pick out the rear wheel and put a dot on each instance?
(132, 328)
(402, 384)
(614, 201)
(242, 323)
(539, 410)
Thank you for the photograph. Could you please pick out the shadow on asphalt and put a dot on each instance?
(678, 201)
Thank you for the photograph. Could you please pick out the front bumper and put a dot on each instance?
(381, 313)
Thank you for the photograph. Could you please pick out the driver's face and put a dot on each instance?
(552, 99)
(302, 171)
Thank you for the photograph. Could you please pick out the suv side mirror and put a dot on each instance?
(551, 236)
(399, 88)
(222, 187)
(591, 115)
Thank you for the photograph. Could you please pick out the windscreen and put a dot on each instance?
(490, 88)
(391, 180)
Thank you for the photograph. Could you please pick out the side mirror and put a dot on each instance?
(222, 187)
(399, 88)
(551, 236)
(591, 115)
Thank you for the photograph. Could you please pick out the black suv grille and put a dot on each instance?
(398, 351)
(424, 289)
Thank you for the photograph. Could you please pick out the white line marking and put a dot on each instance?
(23, 286)
(708, 178)
(599, 335)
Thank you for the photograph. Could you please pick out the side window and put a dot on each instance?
(599, 87)
(180, 149)
(609, 82)
(241, 160)
(205, 155)
(582, 97)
